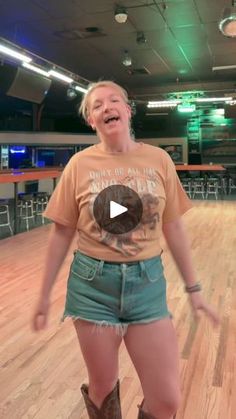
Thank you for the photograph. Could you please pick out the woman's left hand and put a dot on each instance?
(198, 304)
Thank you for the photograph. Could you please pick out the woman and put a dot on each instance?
(116, 281)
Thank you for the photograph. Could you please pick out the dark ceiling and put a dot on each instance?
(182, 45)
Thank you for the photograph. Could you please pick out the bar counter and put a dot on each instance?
(199, 167)
(17, 177)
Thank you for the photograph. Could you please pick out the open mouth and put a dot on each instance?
(111, 119)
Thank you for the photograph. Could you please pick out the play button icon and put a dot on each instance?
(118, 209)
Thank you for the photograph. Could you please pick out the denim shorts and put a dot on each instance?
(116, 294)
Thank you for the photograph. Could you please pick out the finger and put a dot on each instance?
(197, 314)
(212, 314)
(40, 322)
(34, 323)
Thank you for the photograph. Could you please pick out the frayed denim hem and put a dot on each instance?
(99, 325)
(120, 328)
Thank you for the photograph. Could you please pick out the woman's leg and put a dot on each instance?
(154, 353)
(99, 346)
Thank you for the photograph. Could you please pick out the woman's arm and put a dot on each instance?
(179, 246)
(59, 241)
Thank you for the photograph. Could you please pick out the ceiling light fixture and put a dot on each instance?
(40, 65)
(81, 89)
(227, 24)
(127, 60)
(121, 14)
(213, 99)
(224, 67)
(15, 54)
(186, 107)
(140, 38)
(176, 102)
(36, 69)
(60, 76)
(163, 103)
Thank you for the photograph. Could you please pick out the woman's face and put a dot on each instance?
(108, 113)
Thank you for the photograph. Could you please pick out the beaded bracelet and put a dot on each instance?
(193, 288)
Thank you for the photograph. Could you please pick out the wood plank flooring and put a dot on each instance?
(41, 373)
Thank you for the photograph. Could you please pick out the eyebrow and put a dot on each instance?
(110, 96)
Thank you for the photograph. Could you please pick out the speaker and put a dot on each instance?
(230, 111)
(29, 86)
(7, 75)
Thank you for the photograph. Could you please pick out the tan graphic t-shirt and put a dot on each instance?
(148, 170)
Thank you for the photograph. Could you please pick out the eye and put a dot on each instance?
(97, 106)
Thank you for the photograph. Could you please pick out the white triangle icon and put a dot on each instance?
(116, 209)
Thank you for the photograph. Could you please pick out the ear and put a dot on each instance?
(90, 122)
(129, 111)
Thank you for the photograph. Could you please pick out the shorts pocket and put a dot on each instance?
(84, 269)
(154, 269)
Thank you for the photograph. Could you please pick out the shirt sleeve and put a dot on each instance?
(177, 201)
(62, 207)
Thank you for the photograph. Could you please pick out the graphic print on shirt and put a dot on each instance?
(145, 182)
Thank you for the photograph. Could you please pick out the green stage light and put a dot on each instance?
(186, 107)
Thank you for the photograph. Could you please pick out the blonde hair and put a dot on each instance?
(83, 109)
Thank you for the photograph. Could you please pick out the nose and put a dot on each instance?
(107, 105)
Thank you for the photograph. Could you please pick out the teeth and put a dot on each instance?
(111, 119)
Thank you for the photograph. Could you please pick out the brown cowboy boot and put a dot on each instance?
(145, 415)
(110, 408)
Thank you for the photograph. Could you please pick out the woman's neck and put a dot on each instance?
(117, 145)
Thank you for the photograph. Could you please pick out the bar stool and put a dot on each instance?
(212, 187)
(232, 185)
(40, 202)
(223, 185)
(198, 186)
(26, 208)
(187, 185)
(5, 215)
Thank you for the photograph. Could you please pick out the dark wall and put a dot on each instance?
(170, 124)
(60, 115)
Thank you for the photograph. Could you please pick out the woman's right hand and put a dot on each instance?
(40, 316)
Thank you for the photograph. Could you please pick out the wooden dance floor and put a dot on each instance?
(41, 373)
